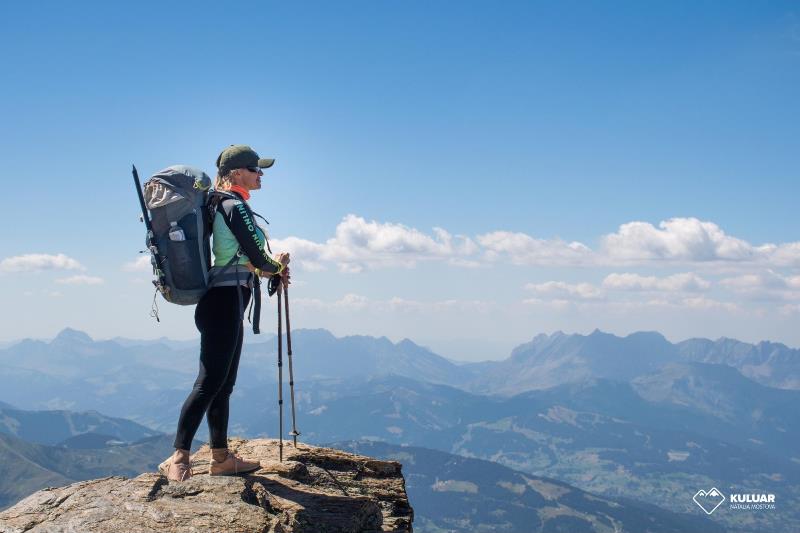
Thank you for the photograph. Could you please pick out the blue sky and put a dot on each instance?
(560, 121)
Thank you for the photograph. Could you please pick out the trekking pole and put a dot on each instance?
(280, 379)
(294, 432)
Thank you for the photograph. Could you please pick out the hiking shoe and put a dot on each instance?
(226, 463)
(175, 471)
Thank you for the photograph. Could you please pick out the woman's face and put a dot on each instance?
(249, 178)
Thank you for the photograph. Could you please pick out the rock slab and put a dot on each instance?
(319, 490)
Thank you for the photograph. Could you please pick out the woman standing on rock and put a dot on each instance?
(219, 314)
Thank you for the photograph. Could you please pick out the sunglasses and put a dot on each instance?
(253, 169)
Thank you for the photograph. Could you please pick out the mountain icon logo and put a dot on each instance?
(708, 501)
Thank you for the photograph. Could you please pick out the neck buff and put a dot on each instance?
(241, 190)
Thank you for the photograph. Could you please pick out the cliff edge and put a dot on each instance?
(313, 490)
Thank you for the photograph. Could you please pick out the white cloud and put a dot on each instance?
(762, 280)
(709, 304)
(676, 239)
(304, 253)
(626, 291)
(140, 264)
(359, 244)
(522, 249)
(686, 282)
(356, 302)
(787, 254)
(585, 291)
(38, 262)
(751, 282)
(81, 280)
(767, 285)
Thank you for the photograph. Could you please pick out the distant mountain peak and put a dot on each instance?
(408, 343)
(653, 336)
(544, 337)
(72, 335)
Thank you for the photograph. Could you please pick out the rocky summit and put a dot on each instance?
(313, 490)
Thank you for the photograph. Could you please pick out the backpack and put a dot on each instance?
(178, 212)
(178, 232)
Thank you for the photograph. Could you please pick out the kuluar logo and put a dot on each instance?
(708, 501)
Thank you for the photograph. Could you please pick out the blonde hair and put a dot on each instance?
(224, 182)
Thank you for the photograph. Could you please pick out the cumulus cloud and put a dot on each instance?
(751, 282)
(38, 262)
(306, 254)
(677, 240)
(787, 254)
(522, 249)
(585, 291)
(626, 291)
(766, 285)
(687, 282)
(358, 244)
(676, 283)
(709, 304)
(684, 239)
(81, 280)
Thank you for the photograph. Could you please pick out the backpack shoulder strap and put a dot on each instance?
(216, 198)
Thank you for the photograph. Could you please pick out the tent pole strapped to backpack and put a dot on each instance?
(150, 242)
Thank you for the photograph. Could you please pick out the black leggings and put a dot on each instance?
(221, 332)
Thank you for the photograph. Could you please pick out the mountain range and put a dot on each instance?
(449, 493)
(53, 427)
(550, 360)
(26, 467)
(633, 418)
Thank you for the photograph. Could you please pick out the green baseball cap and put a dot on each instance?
(240, 156)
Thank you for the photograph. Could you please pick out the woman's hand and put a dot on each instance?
(283, 258)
